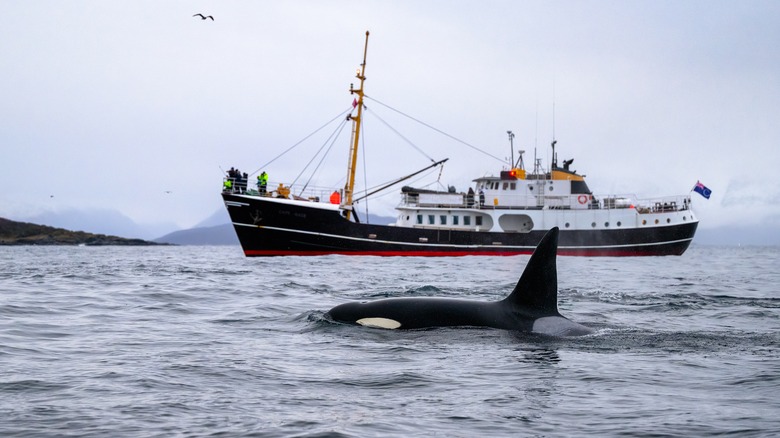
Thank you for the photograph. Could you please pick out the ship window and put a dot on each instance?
(531, 188)
(567, 225)
(506, 185)
(419, 219)
(454, 220)
(431, 219)
(478, 221)
(513, 186)
(668, 220)
(466, 220)
(606, 224)
(619, 223)
(593, 224)
(579, 188)
(443, 219)
(551, 188)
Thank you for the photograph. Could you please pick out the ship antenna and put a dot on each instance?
(536, 129)
(553, 109)
(512, 148)
(356, 122)
(536, 137)
(554, 161)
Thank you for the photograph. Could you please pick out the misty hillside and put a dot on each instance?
(100, 221)
(214, 235)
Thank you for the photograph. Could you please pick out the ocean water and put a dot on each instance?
(201, 341)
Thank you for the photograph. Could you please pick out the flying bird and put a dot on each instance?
(203, 17)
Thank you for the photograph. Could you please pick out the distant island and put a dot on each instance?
(23, 233)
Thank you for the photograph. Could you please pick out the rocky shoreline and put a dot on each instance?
(23, 233)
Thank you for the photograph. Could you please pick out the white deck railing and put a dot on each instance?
(564, 202)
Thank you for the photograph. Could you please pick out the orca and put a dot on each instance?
(531, 307)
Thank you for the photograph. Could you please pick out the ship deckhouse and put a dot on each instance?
(560, 188)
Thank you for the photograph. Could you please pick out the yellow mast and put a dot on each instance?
(356, 121)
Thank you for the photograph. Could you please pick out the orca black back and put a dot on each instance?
(532, 306)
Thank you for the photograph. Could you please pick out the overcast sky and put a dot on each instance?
(137, 106)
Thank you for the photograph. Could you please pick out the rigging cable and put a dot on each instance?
(400, 135)
(398, 180)
(334, 136)
(436, 129)
(373, 190)
(301, 141)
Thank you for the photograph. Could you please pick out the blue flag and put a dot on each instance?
(702, 190)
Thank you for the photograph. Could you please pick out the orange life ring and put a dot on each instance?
(582, 199)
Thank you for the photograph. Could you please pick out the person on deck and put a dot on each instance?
(244, 181)
(481, 198)
(262, 183)
(230, 181)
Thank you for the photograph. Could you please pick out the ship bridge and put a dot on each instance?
(560, 188)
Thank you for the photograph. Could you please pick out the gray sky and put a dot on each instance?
(109, 104)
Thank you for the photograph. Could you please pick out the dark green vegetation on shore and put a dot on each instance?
(22, 233)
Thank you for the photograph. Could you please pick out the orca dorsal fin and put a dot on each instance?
(537, 289)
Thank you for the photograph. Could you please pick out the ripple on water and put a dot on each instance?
(202, 341)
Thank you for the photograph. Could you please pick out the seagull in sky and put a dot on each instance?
(203, 17)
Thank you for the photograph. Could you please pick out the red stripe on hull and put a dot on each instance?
(261, 253)
(624, 252)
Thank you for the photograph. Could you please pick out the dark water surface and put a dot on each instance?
(200, 341)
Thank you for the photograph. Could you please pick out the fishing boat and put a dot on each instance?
(502, 214)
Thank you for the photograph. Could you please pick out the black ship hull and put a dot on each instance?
(270, 227)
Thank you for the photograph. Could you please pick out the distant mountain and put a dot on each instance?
(23, 233)
(215, 235)
(219, 217)
(101, 221)
(379, 220)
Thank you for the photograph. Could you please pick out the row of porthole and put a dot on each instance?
(668, 221)
(644, 222)
(593, 224)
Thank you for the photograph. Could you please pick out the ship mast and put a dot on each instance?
(356, 122)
